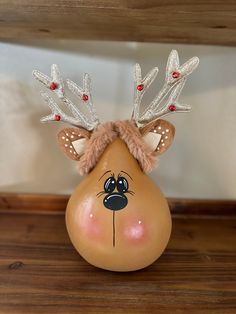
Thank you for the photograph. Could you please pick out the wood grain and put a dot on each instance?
(40, 272)
(201, 22)
(35, 202)
(57, 203)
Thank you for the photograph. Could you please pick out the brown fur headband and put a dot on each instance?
(105, 134)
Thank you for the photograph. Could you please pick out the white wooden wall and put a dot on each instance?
(202, 160)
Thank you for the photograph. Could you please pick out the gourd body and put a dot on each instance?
(127, 239)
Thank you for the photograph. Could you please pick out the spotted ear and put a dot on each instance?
(158, 135)
(72, 141)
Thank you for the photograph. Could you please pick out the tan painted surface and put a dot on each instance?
(142, 228)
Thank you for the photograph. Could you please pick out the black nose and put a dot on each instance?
(115, 201)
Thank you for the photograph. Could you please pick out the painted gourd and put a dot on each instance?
(123, 225)
(117, 218)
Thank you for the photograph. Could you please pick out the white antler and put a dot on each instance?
(175, 79)
(56, 84)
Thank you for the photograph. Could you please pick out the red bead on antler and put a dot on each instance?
(172, 107)
(57, 117)
(53, 86)
(140, 87)
(85, 97)
(175, 74)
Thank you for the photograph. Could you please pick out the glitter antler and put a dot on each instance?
(56, 84)
(175, 79)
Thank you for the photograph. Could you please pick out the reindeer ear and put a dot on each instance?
(72, 141)
(158, 135)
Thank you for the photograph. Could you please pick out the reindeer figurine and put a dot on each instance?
(117, 218)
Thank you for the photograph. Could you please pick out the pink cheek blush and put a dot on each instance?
(92, 227)
(135, 231)
(88, 223)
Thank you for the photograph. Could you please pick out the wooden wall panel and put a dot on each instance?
(57, 203)
(199, 22)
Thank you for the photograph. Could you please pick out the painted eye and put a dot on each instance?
(122, 185)
(110, 185)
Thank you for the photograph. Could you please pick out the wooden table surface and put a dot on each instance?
(40, 272)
